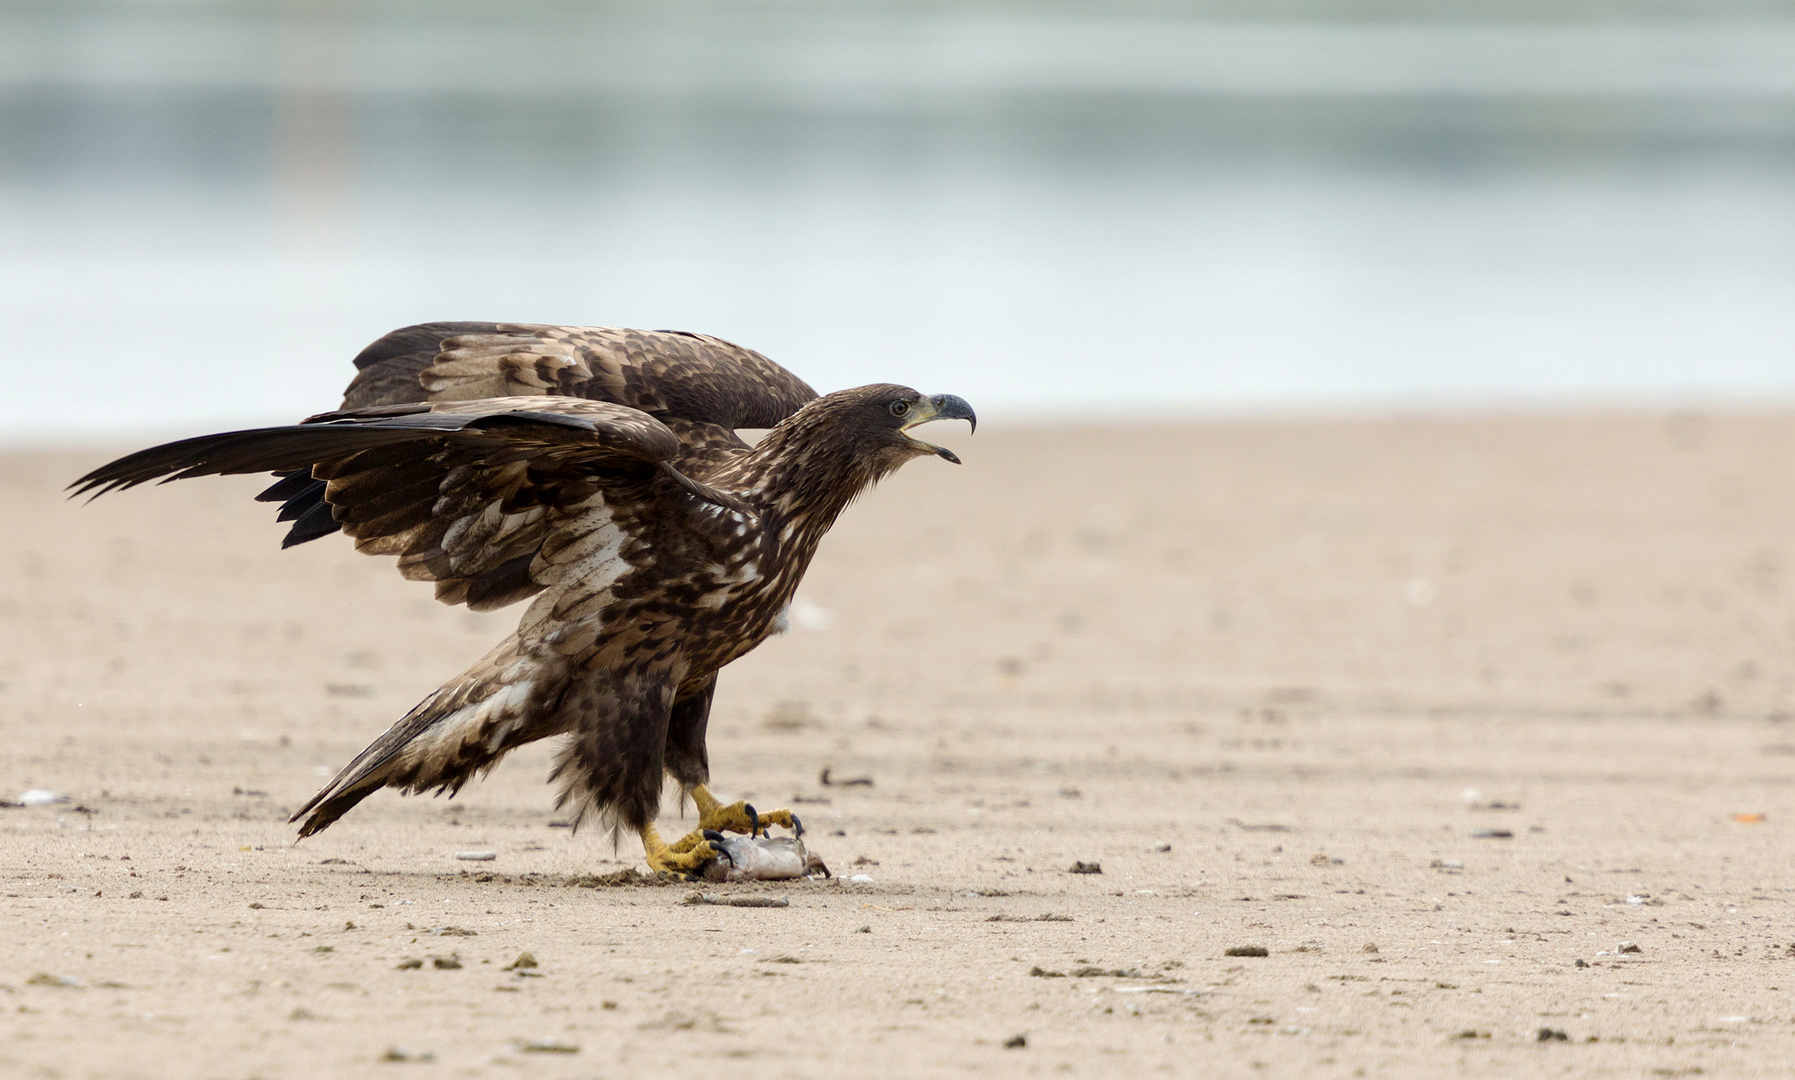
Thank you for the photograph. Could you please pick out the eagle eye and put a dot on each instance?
(899, 408)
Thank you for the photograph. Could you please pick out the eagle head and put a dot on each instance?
(875, 422)
(828, 452)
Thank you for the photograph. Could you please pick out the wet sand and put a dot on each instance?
(1464, 721)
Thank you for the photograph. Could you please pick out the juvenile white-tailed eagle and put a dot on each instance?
(599, 471)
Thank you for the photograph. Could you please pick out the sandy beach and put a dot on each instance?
(1475, 730)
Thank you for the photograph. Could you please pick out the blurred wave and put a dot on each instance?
(1047, 208)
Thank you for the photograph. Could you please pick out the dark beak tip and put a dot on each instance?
(947, 455)
(954, 407)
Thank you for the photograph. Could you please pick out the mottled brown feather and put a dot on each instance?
(670, 375)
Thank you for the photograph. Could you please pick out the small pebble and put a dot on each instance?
(476, 856)
(406, 1053)
(1247, 950)
(1015, 1042)
(1552, 1035)
(1491, 834)
(860, 879)
(547, 1046)
(42, 797)
(1082, 867)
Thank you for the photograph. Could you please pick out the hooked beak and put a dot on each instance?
(940, 407)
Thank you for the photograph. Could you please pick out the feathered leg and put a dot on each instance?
(612, 767)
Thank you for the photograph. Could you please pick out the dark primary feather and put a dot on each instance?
(289, 485)
(295, 448)
(300, 497)
(275, 449)
(461, 492)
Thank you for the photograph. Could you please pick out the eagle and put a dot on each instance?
(598, 473)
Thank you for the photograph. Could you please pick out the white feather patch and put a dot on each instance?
(503, 711)
(580, 565)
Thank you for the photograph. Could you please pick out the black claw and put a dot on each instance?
(713, 836)
(797, 826)
(753, 820)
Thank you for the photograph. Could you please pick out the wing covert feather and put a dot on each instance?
(671, 375)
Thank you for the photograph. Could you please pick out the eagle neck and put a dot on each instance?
(806, 478)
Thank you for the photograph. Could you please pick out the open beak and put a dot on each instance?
(940, 407)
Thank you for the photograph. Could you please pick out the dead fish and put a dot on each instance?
(761, 858)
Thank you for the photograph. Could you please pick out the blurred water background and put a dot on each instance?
(1053, 209)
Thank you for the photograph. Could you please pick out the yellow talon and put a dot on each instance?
(686, 859)
(737, 817)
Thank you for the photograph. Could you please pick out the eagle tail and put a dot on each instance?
(457, 733)
(322, 813)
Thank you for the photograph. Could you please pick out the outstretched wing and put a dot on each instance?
(467, 494)
(668, 374)
(701, 388)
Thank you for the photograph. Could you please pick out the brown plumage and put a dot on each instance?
(599, 472)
